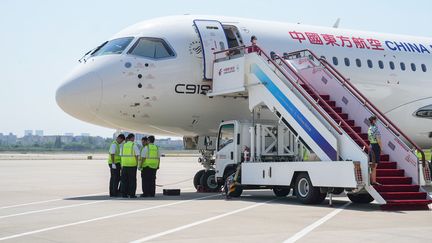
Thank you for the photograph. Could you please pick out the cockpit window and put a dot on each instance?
(115, 46)
(152, 48)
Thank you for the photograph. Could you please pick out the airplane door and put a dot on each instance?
(212, 37)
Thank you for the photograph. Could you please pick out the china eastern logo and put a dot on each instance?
(358, 42)
(227, 70)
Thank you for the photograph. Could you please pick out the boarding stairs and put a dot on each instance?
(329, 114)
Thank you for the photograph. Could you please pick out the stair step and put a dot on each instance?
(387, 165)
(397, 188)
(390, 172)
(331, 103)
(415, 204)
(394, 180)
(403, 195)
(344, 116)
(350, 123)
(326, 97)
(356, 129)
(335, 108)
(384, 157)
(414, 201)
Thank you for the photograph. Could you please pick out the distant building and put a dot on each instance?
(39, 133)
(69, 134)
(28, 132)
(85, 134)
(10, 139)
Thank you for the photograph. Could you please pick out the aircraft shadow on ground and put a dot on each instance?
(256, 197)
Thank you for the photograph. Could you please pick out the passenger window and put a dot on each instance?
(381, 64)
(358, 62)
(392, 66)
(402, 66)
(347, 61)
(151, 48)
(423, 67)
(335, 61)
(413, 67)
(369, 63)
(226, 136)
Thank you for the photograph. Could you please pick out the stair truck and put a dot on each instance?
(301, 105)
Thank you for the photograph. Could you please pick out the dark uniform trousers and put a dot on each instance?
(148, 176)
(128, 181)
(114, 180)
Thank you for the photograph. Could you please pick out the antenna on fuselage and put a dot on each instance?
(336, 24)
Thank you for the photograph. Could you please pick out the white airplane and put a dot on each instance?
(152, 77)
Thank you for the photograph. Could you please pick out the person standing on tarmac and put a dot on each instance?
(151, 161)
(374, 137)
(144, 142)
(129, 161)
(114, 163)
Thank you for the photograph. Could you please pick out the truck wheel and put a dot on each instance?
(228, 182)
(306, 192)
(281, 191)
(197, 178)
(360, 198)
(208, 181)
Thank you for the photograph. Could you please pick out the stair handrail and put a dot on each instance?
(372, 108)
(355, 134)
(259, 51)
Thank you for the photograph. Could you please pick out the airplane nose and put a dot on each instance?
(80, 96)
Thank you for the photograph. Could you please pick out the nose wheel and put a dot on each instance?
(205, 181)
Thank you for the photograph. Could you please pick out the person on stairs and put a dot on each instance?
(374, 138)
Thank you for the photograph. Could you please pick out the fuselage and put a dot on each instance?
(165, 94)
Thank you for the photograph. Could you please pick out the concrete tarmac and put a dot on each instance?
(66, 201)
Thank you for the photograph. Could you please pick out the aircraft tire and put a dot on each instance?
(208, 181)
(197, 178)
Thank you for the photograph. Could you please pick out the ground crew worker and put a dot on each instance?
(144, 142)
(374, 137)
(151, 161)
(129, 162)
(114, 160)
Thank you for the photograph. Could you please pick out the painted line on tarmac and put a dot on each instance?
(51, 200)
(50, 209)
(317, 223)
(67, 206)
(152, 237)
(101, 218)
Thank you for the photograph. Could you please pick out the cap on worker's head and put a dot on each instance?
(144, 138)
(121, 136)
(253, 38)
(130, 136)
(372, 118)
(151, 139)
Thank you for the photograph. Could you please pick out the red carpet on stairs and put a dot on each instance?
(396, 188)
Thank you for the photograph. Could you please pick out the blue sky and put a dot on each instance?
(41, 41)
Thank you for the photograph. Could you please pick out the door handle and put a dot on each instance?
(232, 155)
(263, 173)
(270, 172)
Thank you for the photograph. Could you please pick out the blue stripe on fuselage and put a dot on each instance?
(295, 113)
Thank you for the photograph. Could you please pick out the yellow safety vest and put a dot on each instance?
(152, 159)
(371, 136)
(305, 155)
(117, 158)
(128, 158)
